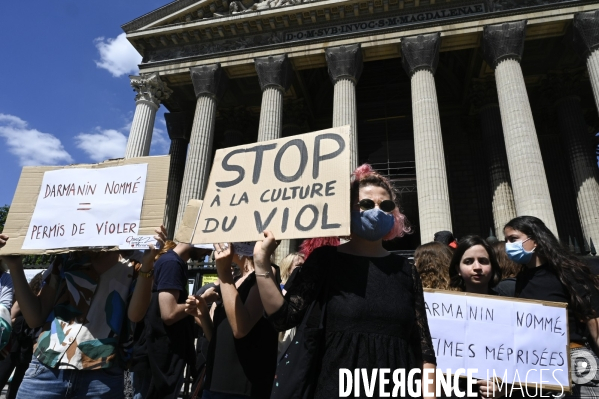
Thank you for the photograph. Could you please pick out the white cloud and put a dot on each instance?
(117, 55)
(103, 144)
(31, 146)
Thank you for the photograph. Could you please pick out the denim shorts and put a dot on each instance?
(41, 382)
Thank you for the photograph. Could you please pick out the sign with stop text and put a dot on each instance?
(296, 187)
(87, 207)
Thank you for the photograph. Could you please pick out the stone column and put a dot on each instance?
(345, 67)
(586, 40)
(150, 92)
(274, 74)
(209, 84)
(502, 49)
(504, 208)
(178, 125)
(579, 149)
(420, 57)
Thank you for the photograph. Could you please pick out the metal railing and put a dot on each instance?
(402, 174)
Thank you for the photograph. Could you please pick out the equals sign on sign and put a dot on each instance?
(84, 206)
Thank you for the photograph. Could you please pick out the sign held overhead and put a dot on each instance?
(85, 208)
(57, 209)
(297, 187)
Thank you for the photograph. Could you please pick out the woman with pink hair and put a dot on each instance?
(374, 315)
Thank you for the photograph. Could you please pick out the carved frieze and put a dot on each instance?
(239, 37)
(502, 5)
(215, 47)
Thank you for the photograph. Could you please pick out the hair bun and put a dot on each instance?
(363, 170)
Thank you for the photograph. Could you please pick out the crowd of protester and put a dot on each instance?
(272, 331)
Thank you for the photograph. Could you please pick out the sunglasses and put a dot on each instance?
(385, 206)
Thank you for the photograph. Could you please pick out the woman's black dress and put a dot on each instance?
(375, 315)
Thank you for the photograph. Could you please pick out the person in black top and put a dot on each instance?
(242, 353)
(375, 315)
(552, 273)
(509, 271)
(167, 342)
(474, 268)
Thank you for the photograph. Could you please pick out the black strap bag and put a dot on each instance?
(298, 368)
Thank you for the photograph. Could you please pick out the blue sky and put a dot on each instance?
(65, 89)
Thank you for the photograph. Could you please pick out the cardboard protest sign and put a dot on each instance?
(522, 342)
(102, 201)
(188, 222)
(87, 207)
(297, 187)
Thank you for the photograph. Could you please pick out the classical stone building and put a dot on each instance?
(478, 110)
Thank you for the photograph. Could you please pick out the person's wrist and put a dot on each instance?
(262, 267)
(146, 273)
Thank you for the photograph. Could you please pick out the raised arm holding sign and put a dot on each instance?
(371, 299)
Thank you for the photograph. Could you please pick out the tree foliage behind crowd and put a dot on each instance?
(3, 214)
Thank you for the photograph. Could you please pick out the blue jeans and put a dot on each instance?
(41, 382)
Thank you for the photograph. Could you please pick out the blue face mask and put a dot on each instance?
(372, 224)
(516, 252)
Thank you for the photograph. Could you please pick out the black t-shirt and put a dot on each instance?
(170, 273)
(542, 283)
(506, 287)
(244, 366)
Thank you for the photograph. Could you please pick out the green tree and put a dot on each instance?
(3, 214)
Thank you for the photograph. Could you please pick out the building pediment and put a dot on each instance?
(188, 29)
(188, 11)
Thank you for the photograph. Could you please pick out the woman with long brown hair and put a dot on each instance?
(552, 273)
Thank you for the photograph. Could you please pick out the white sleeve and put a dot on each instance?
(6, 290)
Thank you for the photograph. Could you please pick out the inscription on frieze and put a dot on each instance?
(248, 41)
(383, 23)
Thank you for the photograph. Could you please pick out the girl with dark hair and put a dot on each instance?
(552, 273)
(375, 315)
(473, 267)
